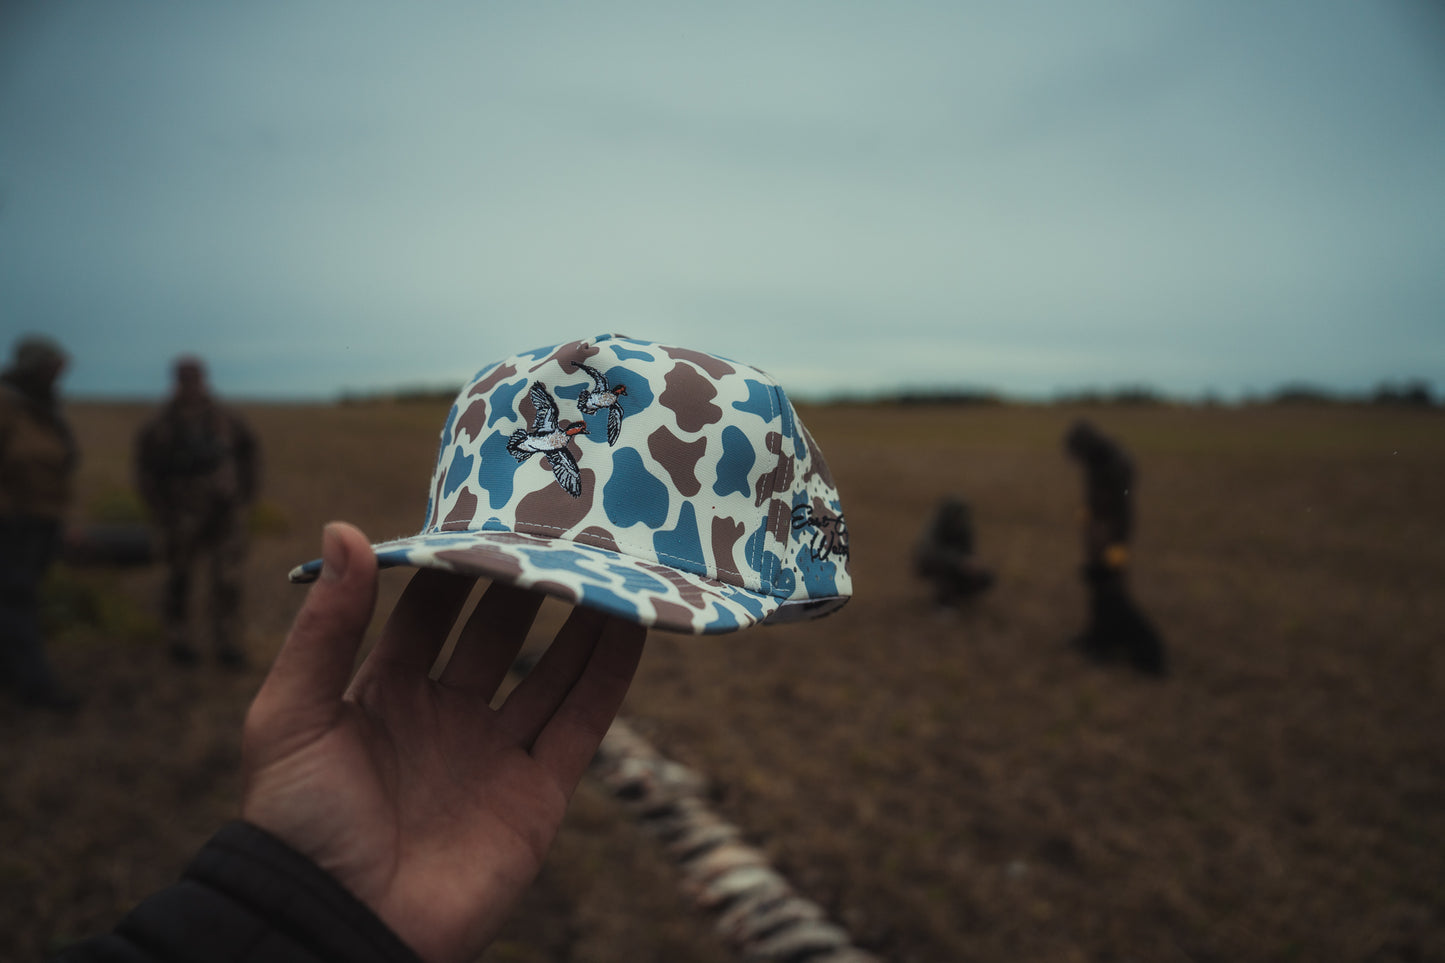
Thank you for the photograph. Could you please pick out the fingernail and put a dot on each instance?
(334, 556)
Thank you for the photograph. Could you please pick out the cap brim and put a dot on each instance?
(645, 592)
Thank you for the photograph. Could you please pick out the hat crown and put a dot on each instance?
(676, 458)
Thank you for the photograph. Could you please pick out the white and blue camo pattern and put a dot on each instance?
(663, 485)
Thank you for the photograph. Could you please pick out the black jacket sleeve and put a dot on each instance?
(247, 897)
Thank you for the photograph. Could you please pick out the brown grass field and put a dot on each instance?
(950, 786)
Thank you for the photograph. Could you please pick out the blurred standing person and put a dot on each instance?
(38, 456)
(197, 467)
(1116, 626)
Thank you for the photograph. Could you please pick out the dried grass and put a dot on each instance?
(948, 785)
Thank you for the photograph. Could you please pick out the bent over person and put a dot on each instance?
(1116, 627)
(197, 468)
(37, 462)
(944, 555)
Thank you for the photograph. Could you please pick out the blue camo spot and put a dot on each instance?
(451, 420)
(759, 401)
(723, 620)
(498, 469)
(785, 583)
(635, 581)
(558, 560)
(639, 392)
(632, 493)
(504, 402)
(777, 580)
(820, 577)
(459, 471)
(746, 600)
(628, 354)
(494, 524)
(735, 464)
(790, 430)
(598, 597)
(570, 393)
(757, 556)
(682, 546)
(395, 556)
(537, 354)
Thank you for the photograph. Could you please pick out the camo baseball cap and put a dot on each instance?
(667, 486)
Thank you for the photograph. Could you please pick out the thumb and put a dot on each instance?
(304, 687)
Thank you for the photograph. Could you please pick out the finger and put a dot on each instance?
(568, 742)
(311, 671)
(491, 639)
(420, 622)
(536, 697)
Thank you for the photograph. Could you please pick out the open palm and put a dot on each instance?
(425, 802)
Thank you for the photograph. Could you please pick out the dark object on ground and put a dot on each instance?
(117, 544)
(944, 555)
(1117, 629)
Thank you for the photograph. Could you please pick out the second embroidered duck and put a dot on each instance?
(602, 395)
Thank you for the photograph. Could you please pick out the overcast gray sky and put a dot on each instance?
(1031, 196)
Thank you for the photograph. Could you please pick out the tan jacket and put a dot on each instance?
(37, 457)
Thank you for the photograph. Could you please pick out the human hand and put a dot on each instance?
(432, 807)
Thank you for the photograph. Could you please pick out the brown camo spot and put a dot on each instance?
(567, 353)
(463, 512)
(671, 616)
(502, 373)
(689, 396)
(716, 367)
(690, 593)
(497, 564)
(780, 479)
(679, 457)
(473, 420)
(551, 511)
(817, 464)
(557, 589)
(780, 520)
(597, 537)
(725, 535)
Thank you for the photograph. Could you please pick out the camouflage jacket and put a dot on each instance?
(37, 456)
(196, 458)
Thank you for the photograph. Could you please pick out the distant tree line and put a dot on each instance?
(1408, 394)
(412, 394)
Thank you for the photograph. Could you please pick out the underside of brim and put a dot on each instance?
(640, 591)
